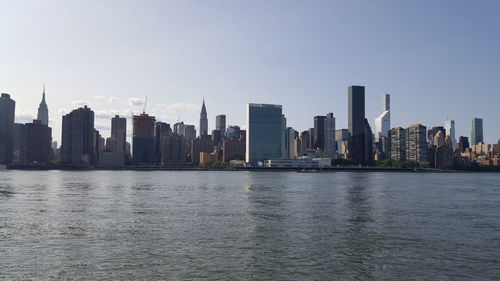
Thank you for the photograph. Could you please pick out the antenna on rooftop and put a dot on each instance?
(145, 103)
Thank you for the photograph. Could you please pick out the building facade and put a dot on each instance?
(416, 144)
(383, 121)
(43, 110)
(265, 133)
(319, 132)
(143, 145)
(360, 143)
(7, 115)
(36, 144)
(203, 120)
(476, 135)
(330, 147)
(449, 126)
(79, 142)
(220, 124)
(173, 150)
(398, 144)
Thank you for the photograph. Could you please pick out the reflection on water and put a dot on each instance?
(248, 225)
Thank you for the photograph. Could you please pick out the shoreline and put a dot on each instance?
(239, 169)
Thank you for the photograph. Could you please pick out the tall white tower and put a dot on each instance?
(449, 126)
(383, 122)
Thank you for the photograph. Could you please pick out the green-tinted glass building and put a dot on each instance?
(265, 132)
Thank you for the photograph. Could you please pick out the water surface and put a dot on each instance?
(129, 225)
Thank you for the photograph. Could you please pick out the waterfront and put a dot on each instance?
(248, 225)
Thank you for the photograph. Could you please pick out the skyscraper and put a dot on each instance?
(398, 144)
(449, 126)
(79, 142)
(43, 111)
(433, 132)
(463, 144)
(161, 128)
(359, 142)
(143, 139)
(173, 150)
(319, 132)
(36, 141)
(383, 122)
(476, 134)
(416, 143)
(220, 123)
(330, 148)
(265, 134)
(119, 132)
(291, 144)
(7, 115)
(203, 120)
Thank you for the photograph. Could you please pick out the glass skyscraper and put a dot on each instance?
(476, 134)
(265, 132)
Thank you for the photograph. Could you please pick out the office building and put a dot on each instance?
(143, 145)
(233, 132)
(217, 137)
(433, 132)
(80, 144)
(203, 120)
(449, 127)
(119, 134)
(202, 144)
(291, 144)
(161, 128)
(19, 131)
(220, 124)
(305, 141)
(476, 135)
(35, 144)
(312, 140)
(173, 150)
(7, 115)
(43, 111)
(319, 132)
(342, 140)
(463, 144)
(398, 144)
(233, 149)
(330, 145)
(179, 128)
(190, 132)
(114, 152)
(265, 133)
(416, 144)
(383, 122)
(360, 143)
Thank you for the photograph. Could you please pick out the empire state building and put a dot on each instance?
(43, 111)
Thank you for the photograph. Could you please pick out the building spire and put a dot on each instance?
(43, 94)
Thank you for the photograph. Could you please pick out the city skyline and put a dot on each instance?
(173, 53)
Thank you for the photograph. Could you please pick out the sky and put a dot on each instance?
(437, 59)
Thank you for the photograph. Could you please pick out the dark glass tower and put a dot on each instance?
(161, 128)
(319, 132)
(78, 138)
(7, 114)
(359, 148)
(476, 135)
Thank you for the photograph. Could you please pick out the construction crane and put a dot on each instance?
(145, 103)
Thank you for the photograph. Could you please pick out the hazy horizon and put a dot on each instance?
(438, 60)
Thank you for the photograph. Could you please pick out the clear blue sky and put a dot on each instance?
(436, 59)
